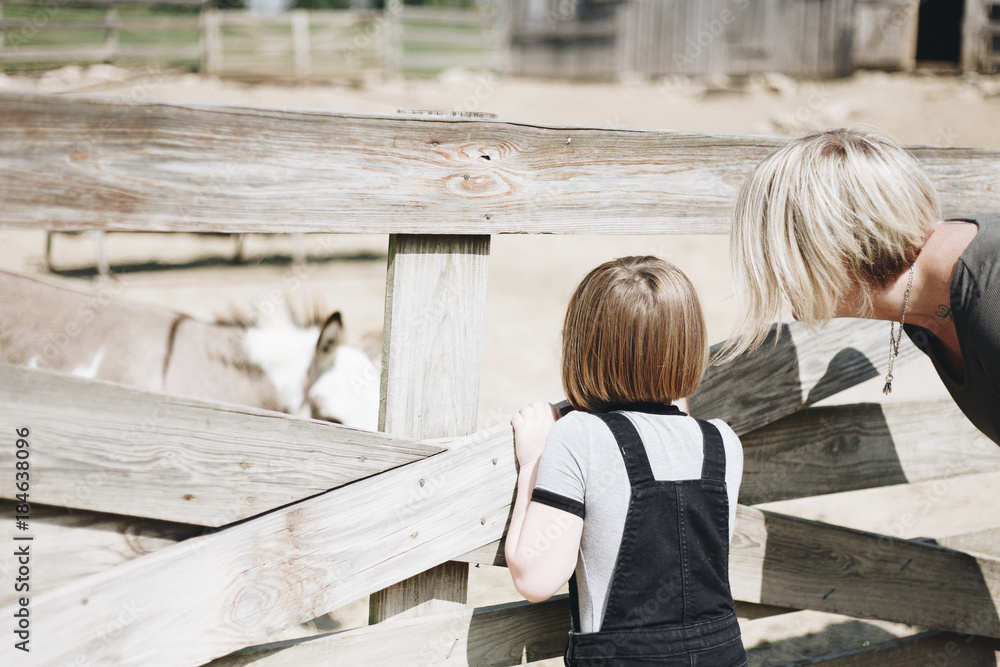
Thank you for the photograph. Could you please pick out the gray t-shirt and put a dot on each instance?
(582, 466)
(975, 308)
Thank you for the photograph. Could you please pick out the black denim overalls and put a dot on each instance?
(669, 602)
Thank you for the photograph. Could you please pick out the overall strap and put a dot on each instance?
(574, 604)
(630, 444)
(714, 464)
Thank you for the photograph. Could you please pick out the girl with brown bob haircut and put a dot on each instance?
(633, 333)
(629, 499)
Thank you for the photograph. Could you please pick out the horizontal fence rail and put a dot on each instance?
(297, 44)
(183, 167)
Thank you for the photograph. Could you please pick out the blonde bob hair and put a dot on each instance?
(634, 332)
(830, 215)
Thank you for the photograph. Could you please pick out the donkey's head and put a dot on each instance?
(304, 355)
(342, 385)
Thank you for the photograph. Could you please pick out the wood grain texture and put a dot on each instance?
(849, 447)
(210, 595)
(155, 166)
(109, 448)
(435, 306)
(799, 369)
(885, 34)
(927, 649)
(432, 351)
(493, 636)
(72, 544)
(791, 562)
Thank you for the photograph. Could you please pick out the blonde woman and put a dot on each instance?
(845, 223)
(627, 497)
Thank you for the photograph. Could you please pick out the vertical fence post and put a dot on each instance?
(211, 22)
(976, 38)
(625, 37)
(1, 35)
(501, 36)
(111, 25)
(393, 37)
(431, 362)
(300, 42)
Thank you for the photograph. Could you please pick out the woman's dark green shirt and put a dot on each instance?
(975, 308)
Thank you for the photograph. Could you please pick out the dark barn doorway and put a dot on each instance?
(939, 31)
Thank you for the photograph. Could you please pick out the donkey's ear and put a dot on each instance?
(334, 319)
(331, 335)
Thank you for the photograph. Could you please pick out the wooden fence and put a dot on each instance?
(802, 38)
(197, 530)
(299, 44)
(93, 31)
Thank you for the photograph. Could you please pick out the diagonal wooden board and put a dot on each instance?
(80, 543)
(87, 162)
(848, 447)
(791, 562)
(221, 592)
(793, 369)
(121, 450)
(211, 595)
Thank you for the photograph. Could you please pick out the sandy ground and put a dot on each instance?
(531, 277)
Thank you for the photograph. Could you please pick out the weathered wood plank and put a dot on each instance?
(792, 562)
(187, 167)
(849, 447)
(505, 634)
(435, 308)
(927, 649)
(214, 594)
(78, 544)
(110, 448)
(434, 317)
(801, 368)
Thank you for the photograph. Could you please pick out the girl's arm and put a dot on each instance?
(542, 541)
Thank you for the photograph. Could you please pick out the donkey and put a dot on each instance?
(286, 362)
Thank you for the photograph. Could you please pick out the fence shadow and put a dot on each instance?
(277, 260)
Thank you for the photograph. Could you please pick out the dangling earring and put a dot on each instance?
(895, 338)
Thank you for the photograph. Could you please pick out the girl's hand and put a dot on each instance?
(532, 424)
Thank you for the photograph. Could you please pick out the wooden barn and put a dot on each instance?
(809, 38)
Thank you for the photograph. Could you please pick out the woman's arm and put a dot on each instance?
(542, 541)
